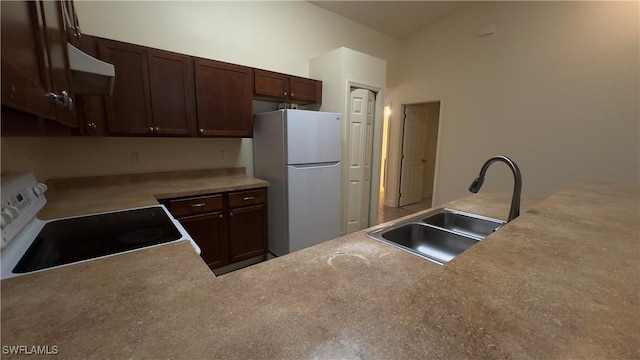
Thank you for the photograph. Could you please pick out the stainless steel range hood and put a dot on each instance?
(90, 75)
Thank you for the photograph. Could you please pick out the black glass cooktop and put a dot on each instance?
(75, 239)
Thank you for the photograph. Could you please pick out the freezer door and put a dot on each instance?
(313, 204)
(312, 137)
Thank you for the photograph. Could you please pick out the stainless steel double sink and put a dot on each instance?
(439, 235)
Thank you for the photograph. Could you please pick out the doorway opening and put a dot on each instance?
(416, 159)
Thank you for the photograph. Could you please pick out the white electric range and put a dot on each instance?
(30, 244)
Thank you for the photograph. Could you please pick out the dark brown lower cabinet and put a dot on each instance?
(247, 229)
(228, 227)
(210, 233)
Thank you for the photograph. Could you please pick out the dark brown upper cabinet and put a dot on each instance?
(223, 97)
(35, 63)
(172, 93)
(305, 91)
(280, 87)
(90, 108)
(128, 109)
(153, 93)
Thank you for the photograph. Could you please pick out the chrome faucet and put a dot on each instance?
(514, 212)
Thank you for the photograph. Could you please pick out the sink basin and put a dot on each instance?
(438, 236)
(435, 244)
(463, 223)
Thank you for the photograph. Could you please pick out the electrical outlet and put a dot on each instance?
(135, 157)
(221, 154)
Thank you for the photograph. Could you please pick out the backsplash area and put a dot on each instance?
(60, 157)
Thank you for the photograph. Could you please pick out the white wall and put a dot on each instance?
(274, 35)
(339, 70)
(58, 157)
(555, 88)
(432, 112)
(277, 36)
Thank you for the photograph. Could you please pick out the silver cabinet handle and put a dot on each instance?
(156, 129)
(230, 213)
(63, 99)
(292, 95)
(220, 216)
(285, 93)
(69, 104)
(249, 198)
(198, 205)
(150, 129)
(201, 131)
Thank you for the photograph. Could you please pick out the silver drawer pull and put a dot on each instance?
(197, 205)
(249, 198)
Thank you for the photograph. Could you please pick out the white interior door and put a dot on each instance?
(413, 161)
(361, 115)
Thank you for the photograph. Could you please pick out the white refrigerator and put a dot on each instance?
(299, 152)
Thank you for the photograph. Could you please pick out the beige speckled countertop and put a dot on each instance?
(81, 196)
(561, 281)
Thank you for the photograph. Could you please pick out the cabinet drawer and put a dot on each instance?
(247, 198)
(196, 205)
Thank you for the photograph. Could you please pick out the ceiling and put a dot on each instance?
(397, 19)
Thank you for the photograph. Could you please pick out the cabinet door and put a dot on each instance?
(129, 108)
(305, 90)
(172, 93)
(271, 85)
(223, 97)
(56, 39)
(210, 233)
(24, 69)
(248, 232)
(34, 60)
(90, 108)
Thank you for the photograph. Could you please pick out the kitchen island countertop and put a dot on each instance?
(561, 281)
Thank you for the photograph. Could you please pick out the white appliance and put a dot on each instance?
(299, 153)
(30, 244)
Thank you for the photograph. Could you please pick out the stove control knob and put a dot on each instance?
(8, 214)
(5, 220)
(40, 189)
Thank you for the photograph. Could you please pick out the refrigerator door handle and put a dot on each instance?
(316, 165)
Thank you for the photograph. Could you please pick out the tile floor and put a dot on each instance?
(386, 213)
